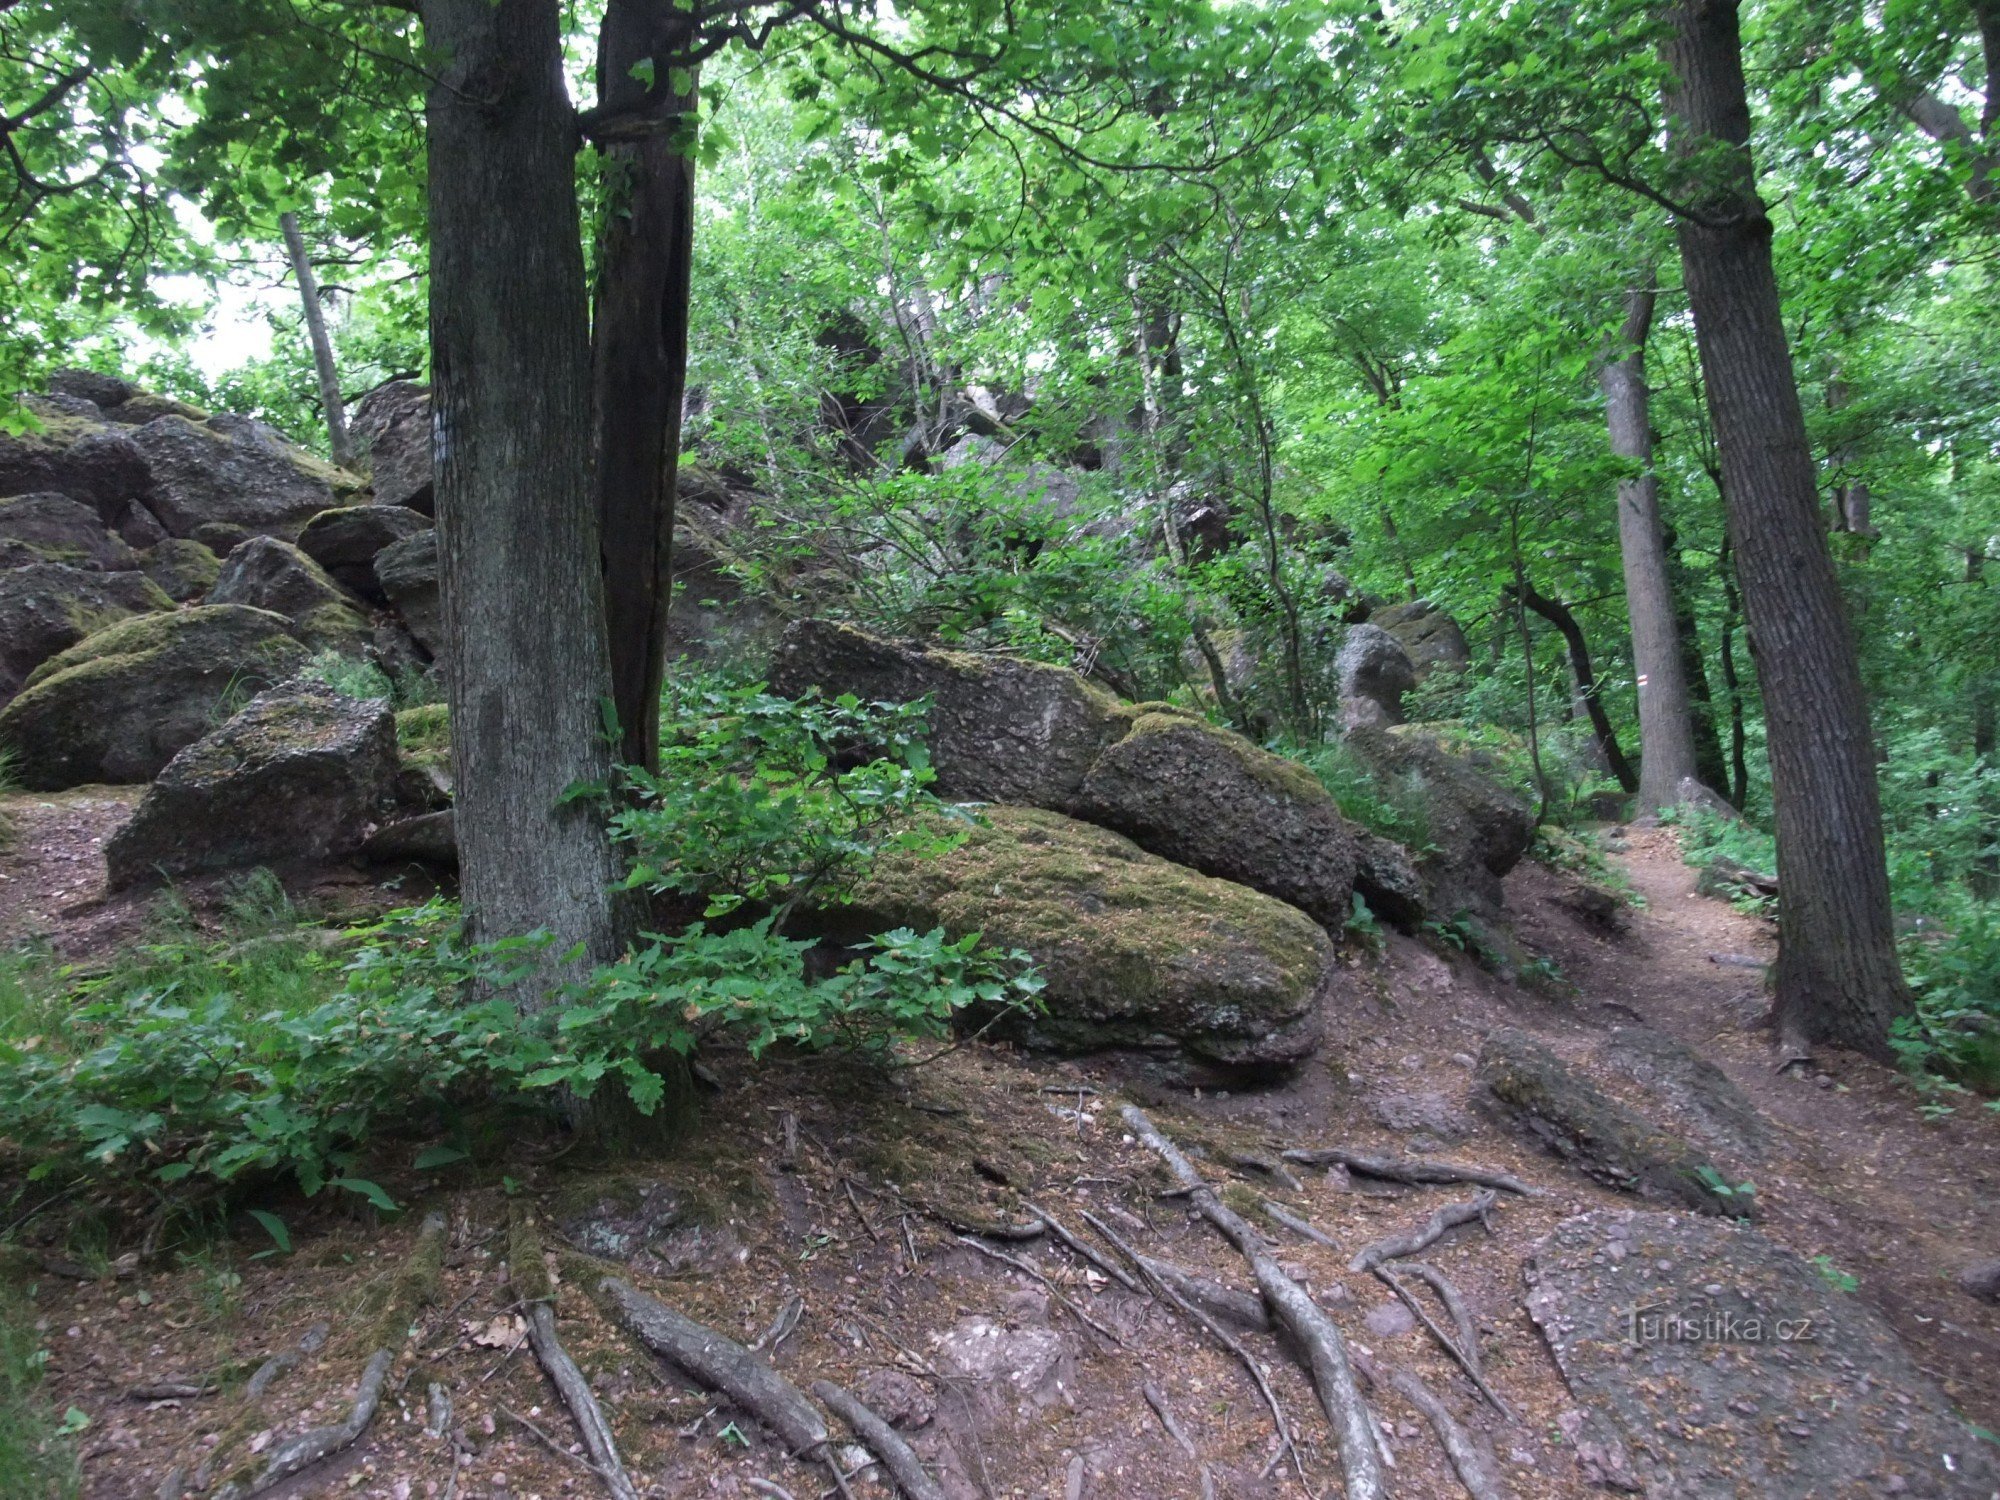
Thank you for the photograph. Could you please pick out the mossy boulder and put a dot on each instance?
(1138, 952)
(46, 608)
(1479, 829)
(393, 423)
(1181, 788)
(266, 573)
(182, 568)
(302, 773)
(236, 473)
(1001, 730)
(345, 541)
(1430, 637)
(74, 456)
(407, 572)
(52, 528)
(122, 702)
(1527, 1084)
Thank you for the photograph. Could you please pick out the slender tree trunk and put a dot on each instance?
(1709, 766)
(337, 441)
(517, 532)
(644, 127)
(1559, 615)
(1838, 979)
(1739, 736)
(1986, 865)
(1666, 733)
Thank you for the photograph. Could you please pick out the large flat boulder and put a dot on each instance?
(1000, 730)
(407, 572)
(392, 423)
(122, 702)
(302, 773)
(266, 573)
(1181, 788)
(345, 541)
(1138, 952)
(234, 473)
(52, 528)
(1524, 1082)
(1708, 1363)
(45, 608)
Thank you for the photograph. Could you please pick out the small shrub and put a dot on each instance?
(1390, 806)
(349, 676)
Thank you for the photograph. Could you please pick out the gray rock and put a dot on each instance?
(52, 528)
(427, 839)
(1981, 1281)
(142, 407)
(1387, 878)
(46, 608)
(1429, 635)
(407, 572)
(1478, 828)
(1708, 1363)
(137, 526)
(1000, 730)
(266, 573)
(1526, 1083)
(895, 1397)
(184, 570)
(1203, 797)
(1137, 952)
(122, 702)
(1426, 1113)
(1389, 1320)
(1013, 1374)
(392, 424)
(714, 621)
(78, 458)
(101, 391)
(1715, 1109)
(649, 1225)
(245, 477)
(302, 773)
(1373, 665)
(345, 541)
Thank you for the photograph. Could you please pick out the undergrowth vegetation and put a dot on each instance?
(37, 1455)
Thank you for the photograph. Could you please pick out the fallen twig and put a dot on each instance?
(1110, 1268)
(1315, 1333)
(171, 1390)
(1207, 1324)
(855, 1204)
(1465, 1361)
(1053, 1290)
(720, 1363)
(767, 1487)
(558, 1449)
(1390, 1169)
(1425, 1235)
(897, 1456)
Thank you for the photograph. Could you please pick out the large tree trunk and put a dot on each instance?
(644, 126)
(337, 441)
(1838, 979)
(1666, 733)
(517, 532)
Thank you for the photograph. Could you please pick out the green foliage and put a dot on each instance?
(1390, 806)
(35, 1452)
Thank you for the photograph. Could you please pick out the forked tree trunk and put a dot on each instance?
(1838, 980)
(1666, 732)
(338, 444)
(644, 126)
(517, 530)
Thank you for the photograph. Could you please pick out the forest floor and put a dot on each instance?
(834, 1188)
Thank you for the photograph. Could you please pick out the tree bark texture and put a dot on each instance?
(1584, 676)
(1666, 732)
(1838, 980)
(644, 130)
(338, 444)
(517, 532)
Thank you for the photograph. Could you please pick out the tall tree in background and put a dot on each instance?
(328, 373)
(1838, 978)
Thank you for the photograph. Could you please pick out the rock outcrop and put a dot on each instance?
(53, 528)
(234, 473)
(302, 773)
(345, 542)
(121, 703)
(1431, 637)
(1708, 1363)
(407, 573)
(392, 423)
(1479, 830)
(184, 570)
(1137, 952)
(45, 608)
(1375, 671)
(100, 467)
(265, 573)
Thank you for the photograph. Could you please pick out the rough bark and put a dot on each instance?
(339, 445)
(1584, 675)
(643, 128)
(517, 532)
(1838, 980)
(1666, 732)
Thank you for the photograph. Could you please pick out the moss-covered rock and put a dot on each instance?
(407, 572)
(301, 773)
(266, 573)
(52, 528)
(1001, 730)
(1138, 952)
(1479, 829)
(183, 569)
(99, 466)
(46, 608)
(121, 703)
(1201, 796)
(1527, 1083)
(345, 541)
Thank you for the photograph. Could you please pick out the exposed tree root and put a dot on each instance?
(1461, 1315)
(1049, 1286)
(285, 1361)
(1304, 1319)
(1277, 1171)
(1156, 1398)
(1467, 1362)
(897, 1456)
(1109, 1268)
(1396, 1246)
(783, 1326)
(719, 1363)
(1279, 1214)
(1245, 1310)
(1476, 1471)
(1204, 1321)
(1391, 1170)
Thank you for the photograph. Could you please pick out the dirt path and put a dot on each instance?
(1857, 1172)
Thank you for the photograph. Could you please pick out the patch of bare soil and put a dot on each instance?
(853, 1193)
